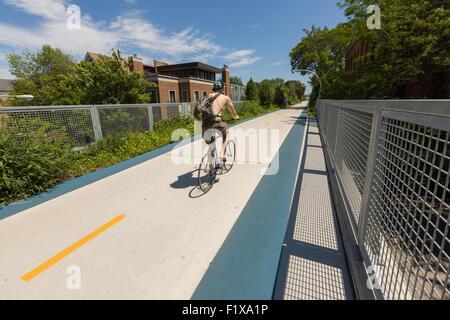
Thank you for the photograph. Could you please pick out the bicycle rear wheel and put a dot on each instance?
(206, 174)
(230, 155)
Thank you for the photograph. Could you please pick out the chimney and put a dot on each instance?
(137, 64)
(226, 79)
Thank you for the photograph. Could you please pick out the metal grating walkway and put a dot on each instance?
(313, 264)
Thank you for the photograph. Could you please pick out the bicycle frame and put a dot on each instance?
(213, 155)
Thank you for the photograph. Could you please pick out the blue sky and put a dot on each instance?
(253, 37)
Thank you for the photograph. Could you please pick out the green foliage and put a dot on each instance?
(266, 92)
(295, 90)
(236, 80)
(251, 91)
(53, 78)
(280, 95)
(30, 163)
(413, 46)
(108, 82)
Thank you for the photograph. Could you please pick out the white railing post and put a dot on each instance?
(96, 124)
(150, 117)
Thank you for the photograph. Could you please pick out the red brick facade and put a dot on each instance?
(187, 82)
(352, 53)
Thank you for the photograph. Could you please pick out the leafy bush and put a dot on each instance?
(30, 164)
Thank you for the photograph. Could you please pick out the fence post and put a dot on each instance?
(338, 124)
(150, 117)
(186, 108)
(368, 183)
(180, 110)
(96, 124)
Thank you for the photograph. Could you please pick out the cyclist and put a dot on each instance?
(216, 122)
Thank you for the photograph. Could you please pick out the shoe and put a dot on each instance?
(217, 180)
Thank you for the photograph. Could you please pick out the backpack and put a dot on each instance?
(203, 109)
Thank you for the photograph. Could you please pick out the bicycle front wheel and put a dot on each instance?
(206, 174)
(230, 155)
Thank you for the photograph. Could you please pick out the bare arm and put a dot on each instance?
(232, 109)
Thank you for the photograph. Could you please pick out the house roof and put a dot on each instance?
(6, 85)
(190, 65)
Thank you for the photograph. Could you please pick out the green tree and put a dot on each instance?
(276, 83)
(236, 80)
(53, 78)
(108, 82)
(36, 72)
(280, 95)
(295, 89)
(266, 92)
(251, 91)
(413, 45)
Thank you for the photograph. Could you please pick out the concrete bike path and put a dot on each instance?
(162, 247)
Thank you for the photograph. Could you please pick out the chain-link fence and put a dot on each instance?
(392, 160)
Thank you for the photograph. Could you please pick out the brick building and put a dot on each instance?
(411, 90)
(352, 53)
(185, 82)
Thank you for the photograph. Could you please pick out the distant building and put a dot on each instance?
(185, 82)
(352, 53)
(5, 86)
(412, 89)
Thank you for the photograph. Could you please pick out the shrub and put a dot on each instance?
(30, 164)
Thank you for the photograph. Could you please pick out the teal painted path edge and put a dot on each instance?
(245, 267)
(18, 206)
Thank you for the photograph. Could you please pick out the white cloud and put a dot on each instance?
(277, 63)
(255, 26)
(127, 31)
(130, 1)
(241, 58)
(50, 9)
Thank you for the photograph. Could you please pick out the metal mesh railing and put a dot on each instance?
(351, 151)
(392, 162)
(82, 125)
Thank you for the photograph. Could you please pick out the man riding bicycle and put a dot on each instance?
(220, 100)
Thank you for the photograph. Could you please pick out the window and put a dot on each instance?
(197, 96)
(185, 97)
(172, 96)
(204, 94)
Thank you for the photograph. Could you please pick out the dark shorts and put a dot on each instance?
(221, 126)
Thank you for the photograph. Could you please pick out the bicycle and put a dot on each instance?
(211, 165)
